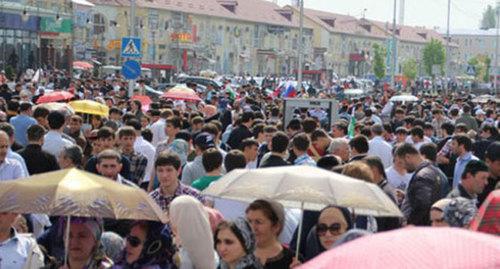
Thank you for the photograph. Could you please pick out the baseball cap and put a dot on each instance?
(204, 141)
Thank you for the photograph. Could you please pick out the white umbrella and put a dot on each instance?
(304, 187)
(404, 98)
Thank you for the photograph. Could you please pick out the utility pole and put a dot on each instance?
(445, 86)
(133, 33)
(301, 47)
(394, 48)
(495, 73)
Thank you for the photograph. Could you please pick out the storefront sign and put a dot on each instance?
(181, 37)
(49, 24)
(15, 21)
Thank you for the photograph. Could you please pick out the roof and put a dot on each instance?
(469, 32)
(259, 11)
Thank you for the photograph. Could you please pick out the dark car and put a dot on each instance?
(201, 81)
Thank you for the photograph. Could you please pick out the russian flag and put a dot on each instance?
(289, 90)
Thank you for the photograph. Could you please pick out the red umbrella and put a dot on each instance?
(82, 65)
(145, 101)
(181, 93)
(414, 248)
(488, 217)
(55, 97)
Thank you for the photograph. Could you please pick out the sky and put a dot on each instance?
(465, 14)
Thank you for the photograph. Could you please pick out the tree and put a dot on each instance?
(410, 69)
(434, 54)
(489, 18)
(379, 61)
(482, 64)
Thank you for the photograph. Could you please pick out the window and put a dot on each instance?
(99, 24)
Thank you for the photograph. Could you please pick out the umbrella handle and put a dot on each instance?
(300, 231)
(66, 240)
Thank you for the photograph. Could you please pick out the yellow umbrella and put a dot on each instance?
(73, 192)
(64, 107)
(90, 107)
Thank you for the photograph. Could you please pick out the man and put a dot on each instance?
(359, 148)
(467, 119)
(212, 162)
(196, 124)
(461, 145)
(398, 120)
(492, 159)
(173, 126)
(40, 114)
(279, 145)
(300, 144)
(417, 137)
(194, 170)
(106, 140)
(74, 130)
(11, 154)
(138, 162)
(438, 119)
(17, 251)
(167, 167)
(158, 128)
(320, 142)
(427, 185)
(9, 168)
(250, 148)
(401, 134)
(269, 132)
(54, 141)
(378, 147)
(37, 160)
(70, 157)
(340, 147)
(242, 131)
(487, 135)
(474, 180)
(21, 122)
(109, 165)
(143, 147)
(397, 176)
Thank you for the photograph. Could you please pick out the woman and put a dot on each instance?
(70, 157)
(266, 217)
(148, 246)
(97, 122)
(235, 244)
(84, 245)
(333, 222)
(191, 229)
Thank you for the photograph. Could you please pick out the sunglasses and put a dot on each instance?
(322, 228)
(134, 241)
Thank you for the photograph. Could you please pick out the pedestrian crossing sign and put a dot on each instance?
(471, 70)
(131, 47)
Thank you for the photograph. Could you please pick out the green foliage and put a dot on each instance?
(9, 72)
(489, 18)
(434, 54)
(379, 61)
(410, 69)
(482, 65)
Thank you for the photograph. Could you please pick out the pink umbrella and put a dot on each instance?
(181, 93)
(145, 101)
(55, 97)
(82, 65)
(414, 248)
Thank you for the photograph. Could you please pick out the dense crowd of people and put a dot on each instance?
(437, 159)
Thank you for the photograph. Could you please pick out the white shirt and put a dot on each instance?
(419, 144)
(10, 169)
(381, 149)
(14, 155)
(145, 148)
(396, 180)
(158, 130)
(54, 143)
(252, 165)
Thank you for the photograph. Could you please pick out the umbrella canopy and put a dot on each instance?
(304, 187)
(82, 65)
(488, 217)
(404, 98)
(72, 192)
(55, 96)
(485, 98)
(145, 101)
(90, 107)
(181, 92)
(414, 248)
(64, 107)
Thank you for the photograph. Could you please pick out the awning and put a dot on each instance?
(159, 66)
(82, 3)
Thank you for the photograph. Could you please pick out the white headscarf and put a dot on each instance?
(193, 228)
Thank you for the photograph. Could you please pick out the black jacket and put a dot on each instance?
(273, 161)
(37, 160)
(237, 135)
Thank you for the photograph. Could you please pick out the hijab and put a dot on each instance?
(193, 228)
(243, 231)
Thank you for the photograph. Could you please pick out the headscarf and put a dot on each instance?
(112, 245)
(314, 247)
(181, 147)
(157, 249)
(214, 217)
(350, 235)
(459, 212)
(193, 228)
(244, 231)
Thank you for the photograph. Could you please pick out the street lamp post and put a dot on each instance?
(301, 47)
(445, 86)
(394, 48)
(495, 79)
(131, 83)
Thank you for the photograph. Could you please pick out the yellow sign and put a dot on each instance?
(181, 37)
(114, 44)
